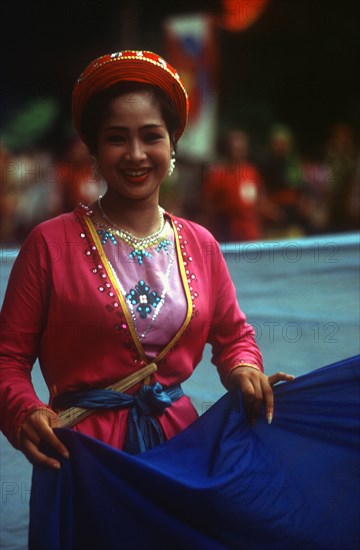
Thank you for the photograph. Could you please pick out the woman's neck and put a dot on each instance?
(137, 217)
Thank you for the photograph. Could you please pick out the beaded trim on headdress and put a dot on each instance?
(130, 65)
(146, 56)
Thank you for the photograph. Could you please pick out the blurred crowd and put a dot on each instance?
(37, 185)
(239, 196)
(279, 192)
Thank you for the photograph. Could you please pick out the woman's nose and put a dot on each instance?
(135, 151)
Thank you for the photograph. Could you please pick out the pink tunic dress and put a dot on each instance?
(151, 284)
(66, 305)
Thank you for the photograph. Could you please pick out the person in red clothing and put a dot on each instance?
(118, 286)
(232, 193)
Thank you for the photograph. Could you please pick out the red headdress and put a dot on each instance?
(129, 65)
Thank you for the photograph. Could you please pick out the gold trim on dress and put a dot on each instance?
(185, 284)
(122, 301)
(117, 289)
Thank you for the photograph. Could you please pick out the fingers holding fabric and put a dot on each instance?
(251, 382)
(256, 389)
(280, 377)
(38, 428)
(269, 396)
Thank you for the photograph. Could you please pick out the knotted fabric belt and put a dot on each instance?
(143, 429)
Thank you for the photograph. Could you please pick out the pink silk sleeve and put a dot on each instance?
(22, 318)
(232, 338)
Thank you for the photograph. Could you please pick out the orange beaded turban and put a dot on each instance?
(129, 65)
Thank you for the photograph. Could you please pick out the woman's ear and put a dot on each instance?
(173, 143)
(96, 168)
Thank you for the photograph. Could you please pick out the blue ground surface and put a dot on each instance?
(302, 297)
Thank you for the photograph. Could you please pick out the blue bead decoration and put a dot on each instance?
(164, 245)
(105, 236)
(139, 254)
(144, 297)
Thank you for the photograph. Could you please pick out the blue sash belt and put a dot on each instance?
(143, 430)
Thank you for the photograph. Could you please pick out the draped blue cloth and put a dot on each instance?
(143, 429)
(220, 484)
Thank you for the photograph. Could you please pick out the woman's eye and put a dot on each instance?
(115, 139)
(153, 136)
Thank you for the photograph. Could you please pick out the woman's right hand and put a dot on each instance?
(37, 428)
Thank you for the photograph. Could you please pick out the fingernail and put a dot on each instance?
(56, 465)
(66, 454)
(270, 418)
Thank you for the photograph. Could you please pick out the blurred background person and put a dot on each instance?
(283, 179)
(78, 178)
(314, 200)
(232, 192)
(342, 159)
(7, 198)
(29, 192)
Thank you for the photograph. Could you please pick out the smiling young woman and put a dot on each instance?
(133, 155)
(142, 290)
(133, 126)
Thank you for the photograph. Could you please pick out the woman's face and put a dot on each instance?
(134, 147)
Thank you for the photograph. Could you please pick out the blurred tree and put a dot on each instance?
(29, 124)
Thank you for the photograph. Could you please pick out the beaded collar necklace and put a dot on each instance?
(139, 244)
(129, 237)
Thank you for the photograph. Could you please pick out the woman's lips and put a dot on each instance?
(137, 176)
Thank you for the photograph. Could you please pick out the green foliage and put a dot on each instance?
(30, 123)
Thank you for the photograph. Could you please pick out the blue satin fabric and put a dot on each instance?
(221, 483)
(143, 430)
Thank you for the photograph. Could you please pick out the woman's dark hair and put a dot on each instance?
(97, 109)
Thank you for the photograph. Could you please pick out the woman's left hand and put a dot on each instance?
(256, 389)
